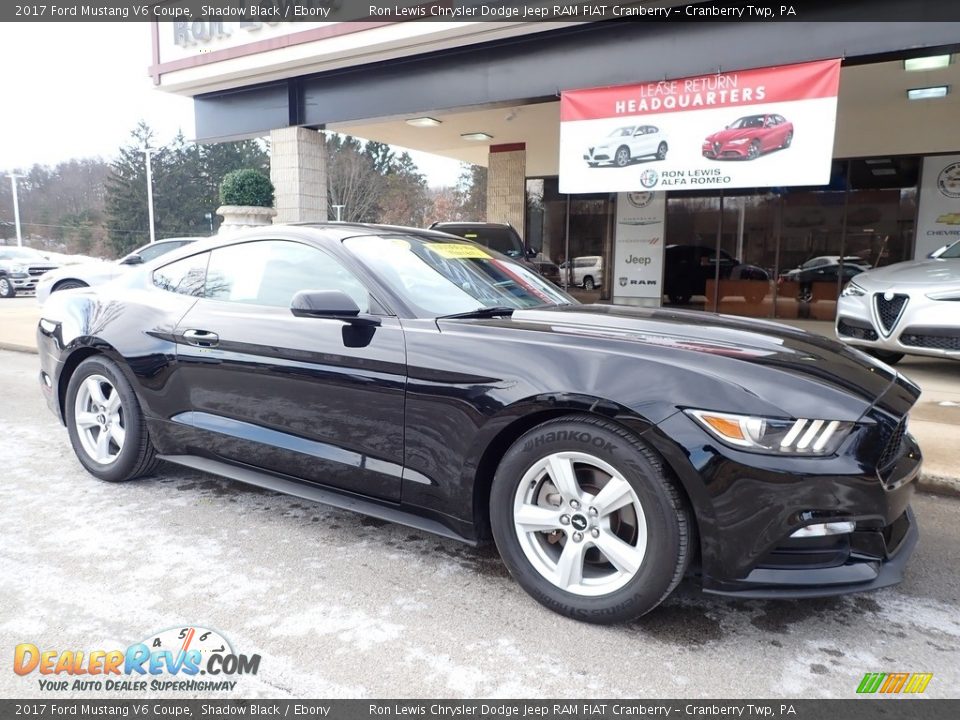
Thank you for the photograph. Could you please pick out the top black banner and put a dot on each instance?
(277, 11)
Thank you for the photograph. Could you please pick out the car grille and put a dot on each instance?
(36, 270)
(889, 311)
(934, 342)
(857, 332)
(892, 449)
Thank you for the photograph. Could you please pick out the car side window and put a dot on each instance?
(271, 272)
(154, 251)
(185, 276)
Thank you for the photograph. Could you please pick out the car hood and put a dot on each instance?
(728, 135)
(89, 272)
(931, 273)
(782, 367)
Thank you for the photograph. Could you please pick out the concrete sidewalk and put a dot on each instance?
(934, 421)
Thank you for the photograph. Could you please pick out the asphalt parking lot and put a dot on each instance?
(339, 605)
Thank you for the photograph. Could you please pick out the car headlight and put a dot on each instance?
(774, 435)
(953, 295)
(18, 269)
(853, 290)
(739, 141)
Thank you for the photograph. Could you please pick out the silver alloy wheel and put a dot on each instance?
(4, 287)
(99, 419)
(580, 523)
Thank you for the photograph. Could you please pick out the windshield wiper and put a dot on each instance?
(484, 312)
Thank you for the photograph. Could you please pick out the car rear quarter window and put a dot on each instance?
(185, 276)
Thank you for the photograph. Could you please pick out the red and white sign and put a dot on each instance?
(769, 127)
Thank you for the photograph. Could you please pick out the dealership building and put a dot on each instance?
(498, 93)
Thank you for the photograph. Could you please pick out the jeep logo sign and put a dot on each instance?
(637, 250)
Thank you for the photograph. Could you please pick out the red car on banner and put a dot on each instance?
(748, 137)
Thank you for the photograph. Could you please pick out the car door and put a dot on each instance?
(316, 399)
(641, 142)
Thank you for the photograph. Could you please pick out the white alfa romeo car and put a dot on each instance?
(626, 144)
(911, 308)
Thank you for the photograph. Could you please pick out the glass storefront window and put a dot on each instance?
(770, 252)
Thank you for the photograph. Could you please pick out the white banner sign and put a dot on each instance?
(938, 217)
(770, 127)
(638, 245)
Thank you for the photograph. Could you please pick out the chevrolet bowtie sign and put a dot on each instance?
(752, 128)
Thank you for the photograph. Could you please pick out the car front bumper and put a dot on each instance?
(717, 151)
(748, 507)
(925, 326)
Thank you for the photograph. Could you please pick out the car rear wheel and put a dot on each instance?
(105, 423)
(69, 285)
(588, 283)
(662, 151)
(588, 520)
(887, 356)
(622, 158)
(6, 288)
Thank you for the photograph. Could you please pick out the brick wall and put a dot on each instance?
(298, 169)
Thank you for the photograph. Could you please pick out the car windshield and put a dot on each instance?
(951, 253)
(501, 239)
(751, 121)
(444, 278)
(622, 132)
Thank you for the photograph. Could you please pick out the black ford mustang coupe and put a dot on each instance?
(427, 380)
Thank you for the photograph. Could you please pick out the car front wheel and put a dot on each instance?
(622, 158)
(887, 356)
(105, 423)
(69, 285)
(6, 288)
(588, 520)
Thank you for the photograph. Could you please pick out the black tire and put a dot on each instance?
(662, 151)
(669, 536)
(69, 285)
(622, 157)
(887, 356)
(754, 151)
(787, 140)
(677, 299)
(137, 456)
(588, 283)
(7, 290)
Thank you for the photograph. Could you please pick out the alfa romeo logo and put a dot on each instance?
(649, 178)
(948, 181)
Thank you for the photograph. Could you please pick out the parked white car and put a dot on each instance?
(911, 308)
(626, 144)
(587, 271)
(99, 272)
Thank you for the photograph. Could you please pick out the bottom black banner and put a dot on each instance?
(914, 708)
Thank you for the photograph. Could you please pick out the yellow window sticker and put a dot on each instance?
(454, 251)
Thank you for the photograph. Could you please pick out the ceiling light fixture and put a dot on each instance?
(927, 93)
(933, 62)
(424, 122)
(476, 136)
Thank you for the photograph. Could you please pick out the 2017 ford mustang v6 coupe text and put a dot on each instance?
(421, 378)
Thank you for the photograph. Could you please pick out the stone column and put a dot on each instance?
(506, 185)
(298, 170)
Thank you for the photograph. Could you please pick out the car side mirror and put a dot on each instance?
(531, 253)
(329, 305)
(132, 260)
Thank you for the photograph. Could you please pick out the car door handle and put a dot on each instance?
(201, 338)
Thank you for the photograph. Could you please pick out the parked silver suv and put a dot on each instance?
(20, 268)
